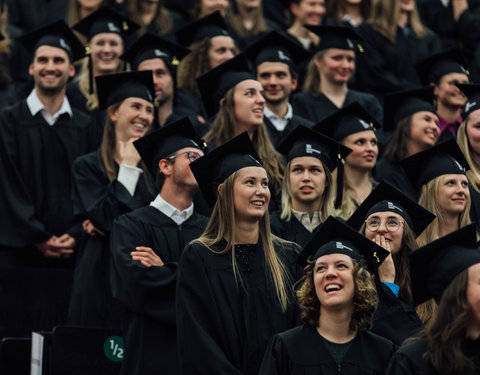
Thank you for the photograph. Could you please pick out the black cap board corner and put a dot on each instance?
(206, 27)
(341, 37)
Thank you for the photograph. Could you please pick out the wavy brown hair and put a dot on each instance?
(447, 329)
(221, 227)
(312, 76)
(162, 20)
(365, 299)
(223, 129)
(396, 148)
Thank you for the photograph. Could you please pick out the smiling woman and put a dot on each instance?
(236, 271)
(337, 299)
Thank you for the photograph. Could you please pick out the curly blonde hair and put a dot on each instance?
(365, 299)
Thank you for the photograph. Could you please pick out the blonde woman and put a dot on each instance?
(349, 12)
(234, 288)
(395, 39)
(235, 95)
(308, 192)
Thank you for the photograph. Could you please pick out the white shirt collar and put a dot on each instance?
(172, 212)
(288, 116)
(35, 105)
(304, 218)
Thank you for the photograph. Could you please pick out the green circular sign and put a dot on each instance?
(113, 348)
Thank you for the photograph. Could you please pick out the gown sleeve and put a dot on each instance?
(149, 291)
(199, 328)
(400, 365)
(276, 359)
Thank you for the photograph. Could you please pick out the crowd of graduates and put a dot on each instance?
(245, 186)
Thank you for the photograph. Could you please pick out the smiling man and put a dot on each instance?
(40, 137)
(275, 57)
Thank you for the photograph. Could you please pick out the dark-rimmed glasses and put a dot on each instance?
(191, 155)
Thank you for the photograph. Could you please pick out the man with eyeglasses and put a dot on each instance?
(146, 245)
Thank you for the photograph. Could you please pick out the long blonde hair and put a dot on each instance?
(428, 199)
(223, 129)
(385, 15)
(326, 207)
(221, 227)
(312, 77)
(462, 139)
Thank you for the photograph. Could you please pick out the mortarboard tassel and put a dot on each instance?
(339, 198)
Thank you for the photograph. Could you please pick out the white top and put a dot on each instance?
(304, 218)
(279, 123)
(172, 212)
(128, 176)
(35, 105)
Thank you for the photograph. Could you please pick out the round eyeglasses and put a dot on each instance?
(392, 224)
(191, 155)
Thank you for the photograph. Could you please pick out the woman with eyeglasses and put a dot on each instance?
(106, 184)
(440, 174)
(393, 221)
(235, 282)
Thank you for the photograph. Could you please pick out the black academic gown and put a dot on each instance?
(224, 322)
(292, 230)
(475, 206)
(100, 200)
(393, 173)
(302, 351)
(35, 203)
(385, 66)
(188, 103)
(395, 319)
(408, 359)
(316, 108)
(148, 293)
(277, 136)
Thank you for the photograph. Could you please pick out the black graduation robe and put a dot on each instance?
(188, 103)
(395, 319)
(301, 350)
(393, 173)
(408, 359)
(148, 293)
(475, 206)
(224, 323)
(385, 66)
(35, 203)
(100, 200)
(276, 136)
(292, 230)
(316, 108)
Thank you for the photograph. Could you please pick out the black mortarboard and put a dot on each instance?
(207, 27)
(275, 47)
(434, 266)
(150, 46)
(472, 92)
(336, 237)
(106, 20)
(434, 67)
(386, 197)
(341, 37)
(214, 84)
(114, 88)
(443, 158)
(303, 141)
(400, 104)
(348, 120)
(213, 169)
(167, 140)
(56, 34)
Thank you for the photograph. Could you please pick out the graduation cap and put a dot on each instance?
(386, 197)
(56, 34)
(433, 68)
(150, 46)
(163, 142)
(214, 84)
(472, 92)
(443, 158)
(348, 120)
(106, 20)
(275, 47)
(114, 88)
(401, 104)
(206, 27)
(212, 169)
(341, 37)
(434, 266)
(303, 141)
(336, 237)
